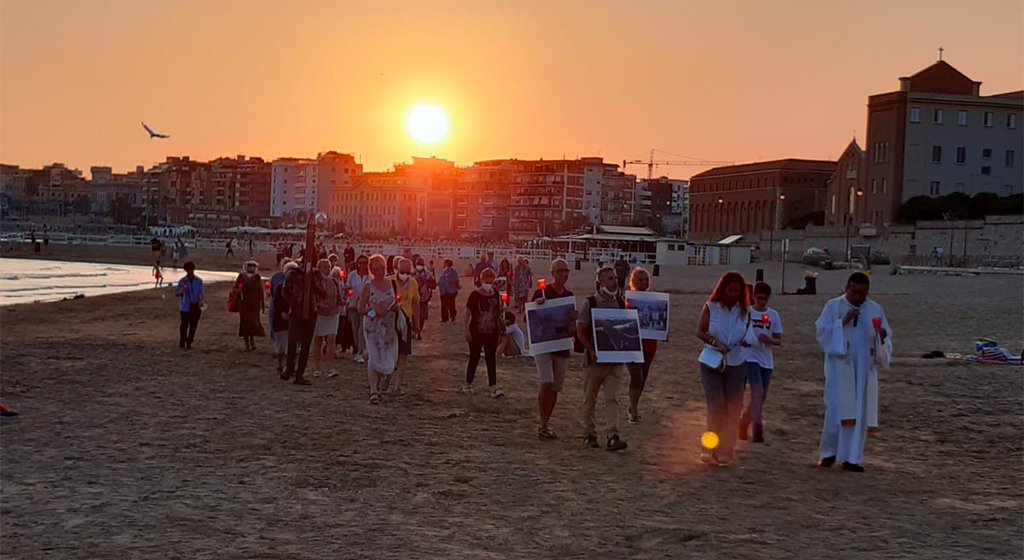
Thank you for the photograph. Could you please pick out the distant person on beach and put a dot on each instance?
(251, 304)
(640, 281)
(597, 375)
(551, 367)
(279, 316)
(250, 247)
(190, 290)
(621, 272)
(854, 349)
(46, 237)
(722, 326)
(480, 267)
(483, 327)
(357, 279)
(329, 302)
(301, 323)
(409, 297)
(158, 275)
(765, 332)
(448, 285)
(522, 282)
(154, 245)
(175, 253)
(350, 256)
(426, 283)
(505, 270)
(377, 304)
(231, 249)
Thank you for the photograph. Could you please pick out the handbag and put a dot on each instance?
(712, 358)
(233, 301)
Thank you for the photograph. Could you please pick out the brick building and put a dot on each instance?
(938, 135)
(482, 198)
(755, 197)
(844, 194)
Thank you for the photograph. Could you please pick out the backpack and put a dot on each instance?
(577, 344)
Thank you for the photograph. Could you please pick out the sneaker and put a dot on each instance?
(616, 444)
(467, 389)
(359, 359)
(591, 441)
(496, 392)
(634, 419)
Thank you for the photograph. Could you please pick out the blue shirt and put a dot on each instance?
(192, 294)
(448, 282)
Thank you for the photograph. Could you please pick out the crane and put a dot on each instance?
(652, 163)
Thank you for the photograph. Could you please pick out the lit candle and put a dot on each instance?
(876, 322)
(504, 297)
(268, 285)
(350, 293)
(541, 283)
(764, 320)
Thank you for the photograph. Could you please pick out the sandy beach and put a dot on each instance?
(126, 447)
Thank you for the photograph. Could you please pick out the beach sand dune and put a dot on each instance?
(129, 447)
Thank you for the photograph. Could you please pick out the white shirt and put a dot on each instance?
(727, 325)
(356, 283)
(759, 352)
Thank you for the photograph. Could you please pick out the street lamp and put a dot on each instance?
(775, 225)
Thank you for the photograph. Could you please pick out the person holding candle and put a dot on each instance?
(279, 315)
(329, 301)
(356, 280)
(765, 332)
(854, 348)
(482, 329)
(378, 301)
(551, 367)
(408, 295)
(722, 327)
(522, 282)
(190, 290)
(448, 285)
(426, 283)
(251, 304)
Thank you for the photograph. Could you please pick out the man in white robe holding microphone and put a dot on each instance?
(856, 338)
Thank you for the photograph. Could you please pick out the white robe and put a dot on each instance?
(852, 356)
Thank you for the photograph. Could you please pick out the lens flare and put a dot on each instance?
(709, 440)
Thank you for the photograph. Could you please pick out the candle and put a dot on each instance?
(876, 322)
(268, 285)
(504, 297)
(540, 283)
(398, 297)
(350, 293)
(764, 320)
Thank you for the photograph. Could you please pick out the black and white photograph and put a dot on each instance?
(652, 310)
(551, 326)
(616, 336)
(501, 284)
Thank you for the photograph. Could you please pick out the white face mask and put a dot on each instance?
(608, 292)
(487, 286)
(403, 276)
(420, 267)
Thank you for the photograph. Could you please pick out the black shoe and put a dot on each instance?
(852, 467)
(616, 444)
(591, 441)
(758, 435)
(827, 462)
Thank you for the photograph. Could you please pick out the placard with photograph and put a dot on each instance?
(551, 326)
(652, 311)
(616, 335)
(501, 284)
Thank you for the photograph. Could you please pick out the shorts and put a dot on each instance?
(326, 325)
(551, 368)
(280, 342)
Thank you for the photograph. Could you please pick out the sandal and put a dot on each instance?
(375, 398)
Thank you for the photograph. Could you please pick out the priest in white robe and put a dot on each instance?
(855, 336)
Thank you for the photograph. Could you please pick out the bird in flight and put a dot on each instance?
(153, 134)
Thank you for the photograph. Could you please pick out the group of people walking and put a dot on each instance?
(378, 316)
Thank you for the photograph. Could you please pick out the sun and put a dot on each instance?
(427, 124)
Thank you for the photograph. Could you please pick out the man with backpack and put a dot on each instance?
(596, 375)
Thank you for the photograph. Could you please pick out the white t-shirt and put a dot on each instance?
(757, 351)
(517, 335)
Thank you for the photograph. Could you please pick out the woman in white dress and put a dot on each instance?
(377, 304)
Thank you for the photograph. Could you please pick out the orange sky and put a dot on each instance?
(726, 80)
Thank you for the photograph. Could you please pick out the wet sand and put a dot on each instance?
(127, 447)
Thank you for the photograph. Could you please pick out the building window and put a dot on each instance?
(874, 186)
(936, 154)
(960, 187)
(933, 190)
(986, 153)
(937, 116)
(986, 170)
(1009, 158)
(988, 118)
(883, 186)
(1011, 120)
(961, 118)
(915, 114)
(961, 155)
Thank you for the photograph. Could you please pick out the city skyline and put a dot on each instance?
(266, 81)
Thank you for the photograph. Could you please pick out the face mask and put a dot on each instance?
(607, 292)
(403, 276)
(420, 267)
(486, 286)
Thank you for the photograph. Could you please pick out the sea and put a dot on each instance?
(33, 280)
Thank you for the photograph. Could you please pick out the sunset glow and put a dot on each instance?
(427, 123)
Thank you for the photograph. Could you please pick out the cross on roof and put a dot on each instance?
(940, 52)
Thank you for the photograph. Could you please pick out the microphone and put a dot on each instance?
(855, 317)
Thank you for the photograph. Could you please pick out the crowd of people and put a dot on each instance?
(376, 307)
